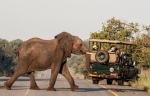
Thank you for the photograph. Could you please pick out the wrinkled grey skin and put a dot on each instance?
(37, 55)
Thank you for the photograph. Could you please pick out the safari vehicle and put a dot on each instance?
(104, 64)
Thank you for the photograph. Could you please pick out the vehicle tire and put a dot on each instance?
(109, 81)
(120, 82)
(102, 56)
(135, 78)
(95, 80)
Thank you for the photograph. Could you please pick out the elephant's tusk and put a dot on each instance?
(88, 53)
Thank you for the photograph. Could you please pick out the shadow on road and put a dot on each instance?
(97, 89)
(124, 90)
(80, 89)
(89, 89)
(23, 79)
(16, 87)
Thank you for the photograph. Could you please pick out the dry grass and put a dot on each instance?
(144, 81)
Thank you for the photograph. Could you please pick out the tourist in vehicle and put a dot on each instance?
(117, 51)
(102, 48)
(94, 48)
(112, 49)
(122, 58)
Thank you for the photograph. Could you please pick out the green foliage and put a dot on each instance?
(143, 81)
(77, 66)
(142, 50)
(8, 57)
(115, 29)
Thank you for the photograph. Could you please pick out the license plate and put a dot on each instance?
(92, 75)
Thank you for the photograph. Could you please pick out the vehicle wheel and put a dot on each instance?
(102, 56)
(120, 82)
(95, 80)
(135, 78)
(109, 81)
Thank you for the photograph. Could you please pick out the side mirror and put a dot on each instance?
(134, 63)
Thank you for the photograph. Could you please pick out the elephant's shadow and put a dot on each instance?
(58, 89)
(98, 89)
(80, 89)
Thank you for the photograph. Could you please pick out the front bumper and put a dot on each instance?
(104, 76)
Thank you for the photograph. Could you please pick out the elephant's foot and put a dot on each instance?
(51, 89)
(34, 88)
(8, 87)
(75, 87)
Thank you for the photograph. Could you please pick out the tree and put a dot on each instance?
(114, 29)
(142, 51)
(9, 59)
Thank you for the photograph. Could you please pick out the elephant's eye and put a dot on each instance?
(80, 45)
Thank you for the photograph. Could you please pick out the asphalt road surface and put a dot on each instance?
(86, 88)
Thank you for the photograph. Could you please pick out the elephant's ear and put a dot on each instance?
(65, 42)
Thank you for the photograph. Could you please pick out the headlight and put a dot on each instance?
(91, 67)
(111, 69)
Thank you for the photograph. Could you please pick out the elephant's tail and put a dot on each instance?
(17, 53)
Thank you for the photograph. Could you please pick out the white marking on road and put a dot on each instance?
(45, 76)
(108, 90)
(113, 93)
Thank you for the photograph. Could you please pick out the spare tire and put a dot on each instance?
(102, 56)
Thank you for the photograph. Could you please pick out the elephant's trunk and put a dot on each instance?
(85, 49)
(88, 56)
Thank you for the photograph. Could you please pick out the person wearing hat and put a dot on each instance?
(112, 49)
(94, 48)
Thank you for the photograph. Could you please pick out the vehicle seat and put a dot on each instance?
(112, 57)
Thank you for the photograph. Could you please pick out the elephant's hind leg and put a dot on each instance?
(65, 72)
(33, 84)
(20, 70)
(9, 83)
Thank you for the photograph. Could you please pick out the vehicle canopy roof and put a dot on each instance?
(111, 41)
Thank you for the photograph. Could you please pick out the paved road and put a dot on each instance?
(86, 88)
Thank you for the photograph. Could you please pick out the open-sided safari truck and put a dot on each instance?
(115, 64)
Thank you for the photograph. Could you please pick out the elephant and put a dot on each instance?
(37, 54)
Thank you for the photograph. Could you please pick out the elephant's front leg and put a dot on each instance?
(33, 84)
(65, 72)
(54, 73)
